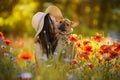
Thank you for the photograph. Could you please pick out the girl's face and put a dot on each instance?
(56, 20)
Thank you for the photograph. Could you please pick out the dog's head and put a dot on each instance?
(66, 26)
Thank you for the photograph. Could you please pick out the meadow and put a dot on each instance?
(93, 58)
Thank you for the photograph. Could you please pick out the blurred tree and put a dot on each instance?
(19, 19)
(91, 14)
(7, 6)
(106, 10)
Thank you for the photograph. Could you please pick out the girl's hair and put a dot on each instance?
(47, 36)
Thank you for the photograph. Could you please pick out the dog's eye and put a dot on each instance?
(67, 24)
(60, 21)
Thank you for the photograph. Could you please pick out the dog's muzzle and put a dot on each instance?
(62, 26)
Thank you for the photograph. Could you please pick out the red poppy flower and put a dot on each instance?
(25, 55)
(7, 42)
(73, 38)
(88, 48)
(5, 51)
(74, 61)
(116, 44)
(108, 59)
(99, 60)
(117, 49)
(90, 65)
(113, 54)
(98, 37)
(86, 42)
(105, 49)
(78, 44)
(1, 35)
(84, 55)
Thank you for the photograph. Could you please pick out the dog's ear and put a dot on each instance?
(74, 24)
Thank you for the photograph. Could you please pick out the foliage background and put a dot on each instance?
(92, 15)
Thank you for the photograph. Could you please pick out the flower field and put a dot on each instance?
(92, 58)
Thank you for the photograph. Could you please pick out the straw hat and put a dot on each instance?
(54, 11)
(38, 18)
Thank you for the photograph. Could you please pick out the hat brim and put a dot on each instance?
(40, 25)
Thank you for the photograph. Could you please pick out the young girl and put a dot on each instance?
(45, 25)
